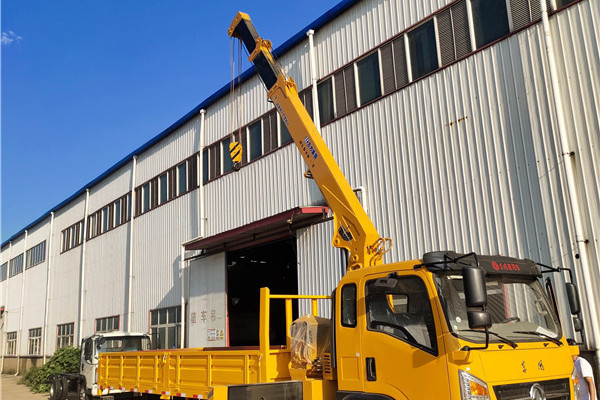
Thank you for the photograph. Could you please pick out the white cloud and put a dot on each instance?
(9, 37)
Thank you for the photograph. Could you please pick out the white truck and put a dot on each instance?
(80, 386)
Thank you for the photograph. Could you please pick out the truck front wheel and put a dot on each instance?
(56, 389)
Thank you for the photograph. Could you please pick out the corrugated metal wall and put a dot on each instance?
(320, 267)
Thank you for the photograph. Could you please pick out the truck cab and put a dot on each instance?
(407, 330)
(85, 383)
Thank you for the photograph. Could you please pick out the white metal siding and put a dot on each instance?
(157, 249)
(320, 266)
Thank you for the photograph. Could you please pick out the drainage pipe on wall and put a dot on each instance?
(20, 333)
(181, 274)
(130, 261)
(82, 273)
(48, 269)
(6, 312)
(568, 160)
(201, 215)
(313, 78)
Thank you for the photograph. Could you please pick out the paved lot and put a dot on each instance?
(9, 390)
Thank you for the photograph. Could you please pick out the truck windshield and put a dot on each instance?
(124, 344)
(519, 309)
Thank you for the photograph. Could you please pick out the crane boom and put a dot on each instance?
(354, 230)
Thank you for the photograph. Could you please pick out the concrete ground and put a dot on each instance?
(9, 390)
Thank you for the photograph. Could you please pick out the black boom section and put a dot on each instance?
(265, 66)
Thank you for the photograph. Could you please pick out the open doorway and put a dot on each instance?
(273, 265)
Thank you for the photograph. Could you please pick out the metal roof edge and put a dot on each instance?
(278, 52)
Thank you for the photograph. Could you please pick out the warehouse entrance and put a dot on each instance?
(273, 265)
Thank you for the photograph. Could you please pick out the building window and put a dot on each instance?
(270, 132)
(11, 343)
(106, 219)
(325, 93)
(36, 255)
(117, 212)
(15, 265)
(227, 161)
(369, 83)
(255, 142)
(562, 3)
(205, 166)
(165, 326)
(72, 236)
(64, 335)
(146, 197)
(423, 50)
(284, 134)
(107, 324)
(4, 271)
(345, 91)
(163, 188)
(35, 341)
(182, 179)
(453, 32)
(490, 20)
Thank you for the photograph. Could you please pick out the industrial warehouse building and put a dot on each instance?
(453, 121)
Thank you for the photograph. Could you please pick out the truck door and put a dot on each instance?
(402, 347)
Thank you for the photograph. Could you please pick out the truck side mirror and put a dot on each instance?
(474, 284)
(573, 297)
(476, 297)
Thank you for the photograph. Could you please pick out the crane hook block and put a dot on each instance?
(235, 151)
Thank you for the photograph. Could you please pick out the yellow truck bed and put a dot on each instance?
(202, 373)
(190, 373)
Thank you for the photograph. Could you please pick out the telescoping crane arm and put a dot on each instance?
(354, 230)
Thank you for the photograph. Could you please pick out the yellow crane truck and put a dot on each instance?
(447, 326)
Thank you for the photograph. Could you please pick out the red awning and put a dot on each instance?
(272, 228)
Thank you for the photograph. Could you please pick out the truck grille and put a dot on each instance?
(556, 389)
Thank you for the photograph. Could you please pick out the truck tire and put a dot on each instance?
(56, 389)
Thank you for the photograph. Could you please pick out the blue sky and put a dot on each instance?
(84, 83)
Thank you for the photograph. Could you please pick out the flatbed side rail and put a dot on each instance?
(265, 308)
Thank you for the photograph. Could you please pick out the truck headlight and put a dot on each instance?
(472, 388)
(575, 380)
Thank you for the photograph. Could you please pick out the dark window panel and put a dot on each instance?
(446, 36)
(154, 196)
(325, 95)
(205, 166)
(520, 13)
(387, 68)
(286, 137)
(563, 3)
(350, 88)
(138, 201)
(368, 78)
(340, 95)
(182, 179)
(423, 50)
(163, 182)
(273, 129)
(460, 25)
(255, 142)
(490, 19)
(400, 62)
(535, 9)
(192, 172)
(227, 162)
(306, 97)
